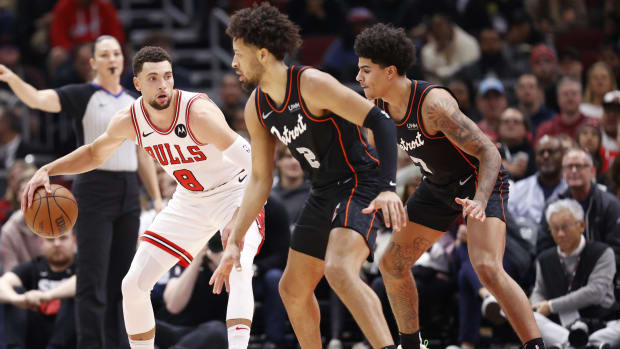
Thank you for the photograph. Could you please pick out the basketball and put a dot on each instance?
(52, 215)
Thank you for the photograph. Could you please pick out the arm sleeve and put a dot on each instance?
(384, 132)
(239, 153)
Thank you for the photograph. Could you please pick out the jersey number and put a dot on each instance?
(187, 179)
(310, 157)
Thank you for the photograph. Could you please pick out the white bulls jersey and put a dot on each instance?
(197, 167)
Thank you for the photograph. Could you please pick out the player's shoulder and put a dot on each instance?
(438, 98)
(314, 81)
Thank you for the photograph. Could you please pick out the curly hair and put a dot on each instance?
(386, 45)
(265, 27)
(152, 54)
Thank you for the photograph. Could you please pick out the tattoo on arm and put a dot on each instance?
(442, 114)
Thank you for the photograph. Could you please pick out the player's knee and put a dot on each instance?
(338, 276)
(487, 270)
(131, 288)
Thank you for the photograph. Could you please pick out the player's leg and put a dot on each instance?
(148, 265)
(241, 299)
(346, 251)
(405, 247)
(301, 275)
(486, 243)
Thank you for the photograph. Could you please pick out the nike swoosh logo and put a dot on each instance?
(267, 115)
(242, 178)
(146, 134)
(392, 183)
(465, 180)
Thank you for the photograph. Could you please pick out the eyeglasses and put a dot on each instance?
(563, 227)
(541, 152)
(578, 167)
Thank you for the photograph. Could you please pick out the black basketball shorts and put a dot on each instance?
(338, 205)
(434, 206)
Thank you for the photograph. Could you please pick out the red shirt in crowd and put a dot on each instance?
(74, 24)
(556, 126)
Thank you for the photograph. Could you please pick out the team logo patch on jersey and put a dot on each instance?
(180, 131)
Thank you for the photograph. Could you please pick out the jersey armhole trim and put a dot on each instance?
(304, 108)
(136, 127)
(258, 111)
(420, 123)
(406, 118)
(187, 111)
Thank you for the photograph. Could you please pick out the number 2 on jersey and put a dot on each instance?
(310, 157)
(187, 179)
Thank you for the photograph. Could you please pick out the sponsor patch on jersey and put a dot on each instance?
(293, 107)
(180, 131)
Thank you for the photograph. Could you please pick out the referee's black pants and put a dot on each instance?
(107, 234)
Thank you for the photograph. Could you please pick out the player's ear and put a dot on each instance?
(91, 61)
(262, 55)
(136, 83)
(391, 72)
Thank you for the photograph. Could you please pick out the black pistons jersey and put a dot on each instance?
(329, 148)
(440, 160)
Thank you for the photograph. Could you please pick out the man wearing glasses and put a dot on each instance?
(602, 209)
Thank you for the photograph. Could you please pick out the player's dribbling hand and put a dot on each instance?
(392, 208)
(40, 179)
(473, 208)
(231, 257)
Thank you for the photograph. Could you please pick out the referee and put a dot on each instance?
(108, 202)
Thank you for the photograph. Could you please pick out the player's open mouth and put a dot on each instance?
(162, 98)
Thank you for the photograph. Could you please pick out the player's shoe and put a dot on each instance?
(422, 345)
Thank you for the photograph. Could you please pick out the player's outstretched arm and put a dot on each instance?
(322, 92)
(209, 126)
(85, 158)
(254, 198)
(441, 113)
(46, 100)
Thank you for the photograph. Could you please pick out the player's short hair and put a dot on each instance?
(386, 45)
(265, 27)
(153, 54)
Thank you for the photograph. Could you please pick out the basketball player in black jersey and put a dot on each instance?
(319, 120)
(463, 175)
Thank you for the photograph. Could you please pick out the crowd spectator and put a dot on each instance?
(531, 101)
(570, 64)
(558, 15)
(12, 147)
(292, 188)
(39, 292)
(78, 21)
(609, 128)
(231, 96)
(460, 90)
(491, 103)
(602, 209)
(544, 65)
(528, 196)
(513, 135)
(600, 81)
(76, 70)
(569, 119)
(574, 279)
(448, 49)
(589, 139)
(316, 17)
(17, 175)
(32, 26)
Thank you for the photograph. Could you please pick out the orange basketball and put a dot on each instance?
(52, 215)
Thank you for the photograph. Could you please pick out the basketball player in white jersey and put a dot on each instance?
(187, 134)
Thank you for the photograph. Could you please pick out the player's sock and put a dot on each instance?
(238, 337)
(410, 340)
(143, 344)
(536, 343)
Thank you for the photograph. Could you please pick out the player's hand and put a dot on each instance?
(473, 208)
(158, 205)
(5, 73)
(228, 228)
(392, 208)
(40, 179)
(231, 257)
